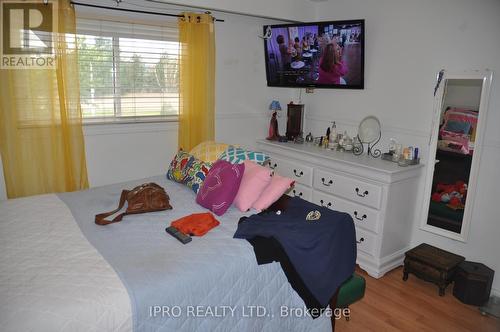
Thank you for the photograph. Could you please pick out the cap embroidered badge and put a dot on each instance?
(313, 215)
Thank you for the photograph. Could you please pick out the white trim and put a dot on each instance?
(128, 128)
(384, 265)
(153, 125)
(236, 115)
(486, 76)
(122, 120)
(3, 188)
(492, 144)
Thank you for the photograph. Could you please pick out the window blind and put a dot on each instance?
(127, 70)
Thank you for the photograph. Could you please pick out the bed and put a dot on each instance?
(457, 134)
(60, 271)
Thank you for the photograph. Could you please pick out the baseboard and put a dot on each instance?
(386, 264)
(366, 264)
(392, 261)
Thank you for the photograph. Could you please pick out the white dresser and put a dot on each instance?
(379, 195)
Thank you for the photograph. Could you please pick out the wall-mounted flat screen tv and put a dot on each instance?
(320, 55)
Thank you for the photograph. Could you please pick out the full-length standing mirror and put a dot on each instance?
(460, 108)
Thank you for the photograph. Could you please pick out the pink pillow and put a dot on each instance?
(220, 186)
(278, 186)
(255, 179)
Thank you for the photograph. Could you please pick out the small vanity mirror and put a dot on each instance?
(460, 110)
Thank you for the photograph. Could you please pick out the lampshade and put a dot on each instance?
(275, 106)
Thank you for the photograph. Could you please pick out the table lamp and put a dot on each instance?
(273, 125)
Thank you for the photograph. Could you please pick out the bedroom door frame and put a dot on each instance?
(486, 76)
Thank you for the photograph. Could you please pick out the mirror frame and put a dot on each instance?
(486, 76)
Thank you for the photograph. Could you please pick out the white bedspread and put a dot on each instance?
(51, 277)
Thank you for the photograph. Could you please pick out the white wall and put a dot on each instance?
(242, 95)
(298, 10)
(407, 43)
(121, 152)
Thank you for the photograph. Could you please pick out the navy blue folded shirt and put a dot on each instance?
(323, 251)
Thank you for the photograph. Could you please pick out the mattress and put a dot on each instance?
(59, 271)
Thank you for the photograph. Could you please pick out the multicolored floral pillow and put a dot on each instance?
(236, 155)
(188, 170)
(178, 170)
(196, 173)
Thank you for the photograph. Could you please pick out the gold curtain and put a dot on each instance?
(196, 80)
(41, 137)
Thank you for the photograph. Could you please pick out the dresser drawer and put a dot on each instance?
(353, 189)
(364, 217)
(325, 200)
(365, 241)
(299, 172)
(301, 191)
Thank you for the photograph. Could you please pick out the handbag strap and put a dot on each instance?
(100, 219)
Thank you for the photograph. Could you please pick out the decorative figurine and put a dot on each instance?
(273, 128)
(274, 134)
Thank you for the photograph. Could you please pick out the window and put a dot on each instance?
(127, 71)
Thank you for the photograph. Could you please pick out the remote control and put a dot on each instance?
(184, 238)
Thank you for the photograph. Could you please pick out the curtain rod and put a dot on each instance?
(225, 11)
(129, 10)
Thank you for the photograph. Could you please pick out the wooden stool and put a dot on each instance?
(431, 264)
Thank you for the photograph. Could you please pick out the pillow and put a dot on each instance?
(255, 179)
(458, 127)
(220, 187)
(236, 155)
(196, 173)
(278, 186)
(178, 170)
(208, 151)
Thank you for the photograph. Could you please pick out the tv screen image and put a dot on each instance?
(320, 54)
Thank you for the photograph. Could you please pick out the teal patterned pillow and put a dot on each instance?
(236, 155)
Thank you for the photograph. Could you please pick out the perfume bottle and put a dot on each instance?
(333, 133)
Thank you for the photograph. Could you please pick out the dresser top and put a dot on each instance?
(347, 158)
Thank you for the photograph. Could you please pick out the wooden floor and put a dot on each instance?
(391, 304)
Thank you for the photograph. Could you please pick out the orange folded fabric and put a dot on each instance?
(197, 224)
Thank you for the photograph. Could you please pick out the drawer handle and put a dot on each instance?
(295, 193)
(365, 193)
(363, 217)
(328, 184)
(298, 175)
(327, 205)
(361, 240)
(273, 166)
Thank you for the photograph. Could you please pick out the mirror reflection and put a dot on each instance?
(454, 153)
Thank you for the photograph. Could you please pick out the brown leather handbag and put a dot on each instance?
(147, 197)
